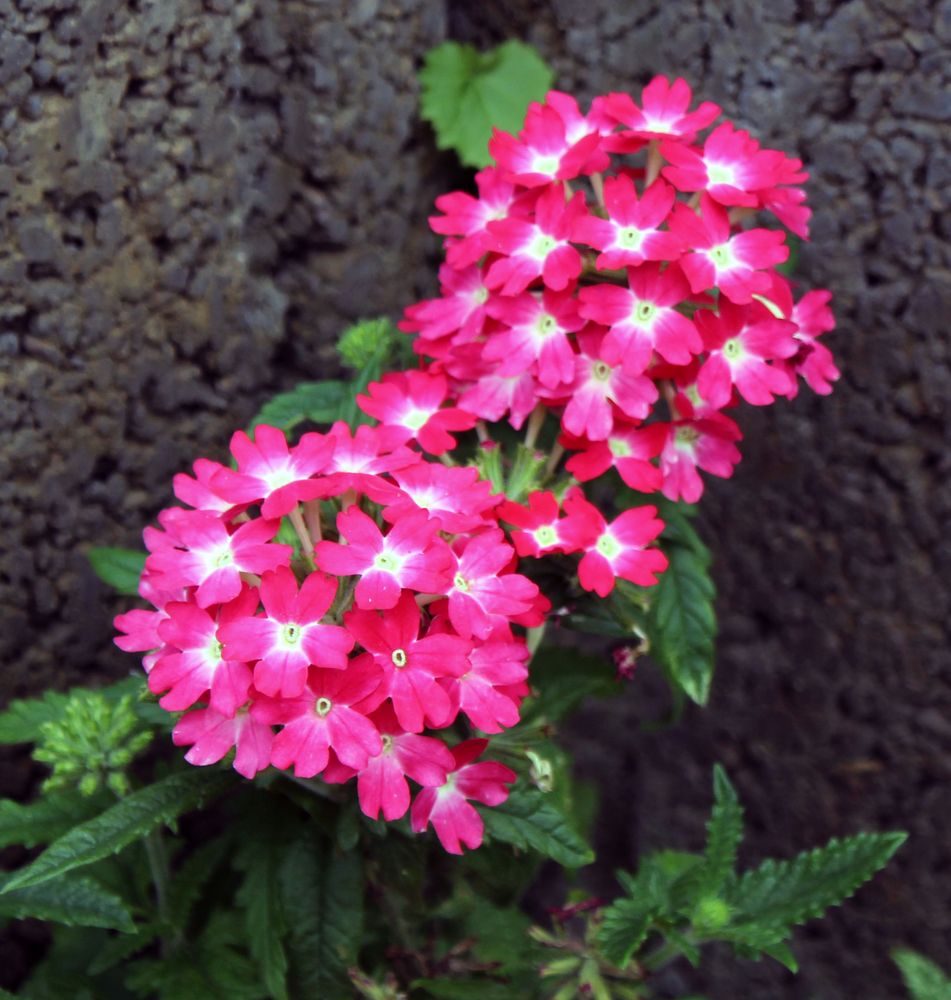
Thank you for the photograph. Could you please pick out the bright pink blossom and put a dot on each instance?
(455, 821)
(493, 396)
(707, 444)
(454, 497)
(539, 532)
(482, 693)
(198, 492)
(409, 556)
(662, 112)
(459, 312)
(290, 638)
(211, 735)
(627, 448)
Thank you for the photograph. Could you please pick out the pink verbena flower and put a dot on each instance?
(198, 492)
(539, 532)
(482, 692)
(619, 547)
(455, 821)
(628, 448)
(456, 498)
(270, 471)
(212, 735)
(459, 312)
(409, 556)
(291, 637)
(707, 444)
(663, 112)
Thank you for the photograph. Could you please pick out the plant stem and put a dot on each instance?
(306, 543)
(535, 422)
(654, 162)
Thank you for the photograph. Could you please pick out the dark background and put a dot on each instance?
(195, 197)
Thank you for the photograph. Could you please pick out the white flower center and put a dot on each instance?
(542, 246)
(398, 656)
(323, 707)
(720, 173)
(608, 546)
(630, 238)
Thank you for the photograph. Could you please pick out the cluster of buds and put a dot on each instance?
(608, 271)
(347, 608)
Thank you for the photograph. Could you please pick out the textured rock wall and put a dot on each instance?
(832, 705)
(194, 196)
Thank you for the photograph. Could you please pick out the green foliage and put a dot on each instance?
(466, 92)
(322, 898)
(316, 402)
(129, 820)
(120, 568)
(625, 926)
(71, 901)
(561, 679)
(529, 820)
(924, 980)
(681, 623)
(724, 833)
(44, 820)
(91, 744)
(372, 342)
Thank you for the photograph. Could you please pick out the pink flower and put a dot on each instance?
(619, 548)
(268, 470)
(539, 249)
(211, 735)
(323, 718)
(411, 401)
(195, 663)
(542, 152)
(212, 559)
(198, 492)
(690, 445)
(740, 345)
(597, 385)
(535, 336)
(643, 319)
(468, 217)
(539, 524)
(814, 317)
(492, 396)
(456, 498)
(663, 111)
(731, 263)
(290, 638)
(455, 821)
(410, 556)
(458, 312)
(359, 458)
(631, 234)
(480, 693)
(730, 168)
(627, 448)
(382, 784)
(411, 665)
(479, 597)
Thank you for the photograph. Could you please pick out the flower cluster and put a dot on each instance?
(609, 271)
(389, 611)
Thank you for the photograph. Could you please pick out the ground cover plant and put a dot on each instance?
(366, 630)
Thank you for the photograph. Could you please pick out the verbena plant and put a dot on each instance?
(364, 638)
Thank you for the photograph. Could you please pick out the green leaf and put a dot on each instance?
(528, 820)
(724, 833)
(468, 989)
(562, 678)
(260, 895)
(76, 902)
(42, 821)
(189, 881)
(665, 881)
(317, 402)
(791, 892)
(120, 568)
(21, 722)
(624, 928)
(385, 334)
(368, 342)
(924, 980)
(131, 819)
(681, 624)
(322, 896)
(466, 92)
(120, 948)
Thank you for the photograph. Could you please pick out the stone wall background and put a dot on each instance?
(196, 196)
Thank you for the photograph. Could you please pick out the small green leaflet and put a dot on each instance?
(924, 979)
(131, 819)
(528, 820)
(791, 892)
(724, 833)
(624, 928)
(317, 402)
(120, 568)
(76, 902)
(466, 92)
(681, 623)
(44, 820)
(380, 337)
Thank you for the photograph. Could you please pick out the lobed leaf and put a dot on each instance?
(76, 902)
(466, 92)
(528, 820)
(318, 402)
(624, 928)
(924, 979)
(129, 820)
(791, 892)
(724, 833)
(120, 568)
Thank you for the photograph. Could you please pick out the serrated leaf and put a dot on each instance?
(317, 402)
(624, 928)
(42, 821)
(131, 819)
(118, 949)
(724, 833)
(21, 722)
(322, 897)
(371, 371)
(924, 979)
(681, 623)
(661, 878)
(528, 820)
(466, 92)
(791, 892)
(120, 568)
(76, 902)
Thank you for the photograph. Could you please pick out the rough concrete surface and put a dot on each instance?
(195, 196)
